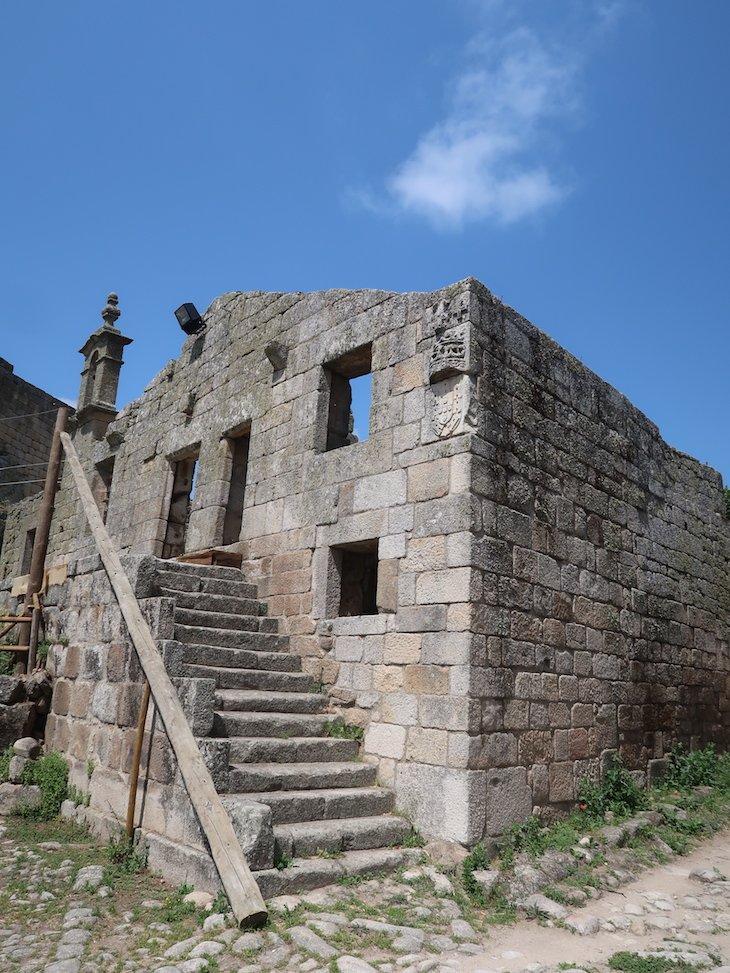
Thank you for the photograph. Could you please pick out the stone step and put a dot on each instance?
(313, 873)
(215, 603)
(261, 679)
(200, 570)
(211, 655)
(235, 589)
(291, 750)
(288, 807)
(190, 583)
(192, 618)
(280, 725)
(342, 834)
(255, 701)
(228, 639)
(244, 778)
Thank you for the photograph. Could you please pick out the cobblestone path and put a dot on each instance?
(64, 909)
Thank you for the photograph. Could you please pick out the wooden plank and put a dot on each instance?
(242, 891)
(14, 648)
(15, 618)
(223, 559)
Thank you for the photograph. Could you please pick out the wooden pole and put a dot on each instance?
(243, 893)
(43, 530)
(35, 624)
(136, 757)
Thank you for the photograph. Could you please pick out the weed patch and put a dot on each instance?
(344, 731)
(627, 962)
(5, 757)
(50, 774)
(128, 857)
(618, 793)
(696, 768)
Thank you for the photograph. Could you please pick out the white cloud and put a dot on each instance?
(481, 163)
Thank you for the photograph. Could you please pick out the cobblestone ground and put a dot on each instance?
(65, 909)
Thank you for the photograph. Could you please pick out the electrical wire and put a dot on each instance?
(29, 415)
(21, 466)
(19, 482)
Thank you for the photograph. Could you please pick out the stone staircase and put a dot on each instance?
(330, 818)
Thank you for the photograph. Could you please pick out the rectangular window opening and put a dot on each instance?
(183, 491)
(239, 446)
(102, 485)
(349, 381)
(27, 552)
(357, 572)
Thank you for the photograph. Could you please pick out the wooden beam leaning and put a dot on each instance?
(240, 886)
(43, 528)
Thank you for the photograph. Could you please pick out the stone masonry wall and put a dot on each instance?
(26, 442)
(552, 577)
(97, 695)
(604, 564)
(405, 488)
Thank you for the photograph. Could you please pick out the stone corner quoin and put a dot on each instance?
(509, 580)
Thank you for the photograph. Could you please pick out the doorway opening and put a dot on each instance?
(102, 485)
(183, 490)
(239, 446)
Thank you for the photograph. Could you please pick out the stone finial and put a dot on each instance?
(111, 312)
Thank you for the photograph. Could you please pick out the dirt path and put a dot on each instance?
(65, 909)
(663, 904)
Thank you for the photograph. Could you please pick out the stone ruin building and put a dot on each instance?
(24, 443)
(509, 581)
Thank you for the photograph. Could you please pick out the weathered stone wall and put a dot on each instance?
(406, 488)
(25, 442)
(97, 695)
(603, 558)
(552, 577)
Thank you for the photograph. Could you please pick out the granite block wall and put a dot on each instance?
(97, 695)
(24, 442)
(604, 566)
(552, 578)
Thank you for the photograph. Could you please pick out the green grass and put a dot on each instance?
(414, 839)
(344, 731)
(627, 962)
(5, 757)
(50, 773)
(7, 662)
(125, 857)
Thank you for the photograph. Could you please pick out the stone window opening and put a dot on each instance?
(102, 485)
(348, 387)
(355, 578)
(184, 471)
(27, 552)
(238, 445)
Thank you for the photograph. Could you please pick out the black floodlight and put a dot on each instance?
(189, 319)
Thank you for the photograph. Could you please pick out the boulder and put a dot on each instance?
(448, 854)
(15, 797)
(486, 879)
(12, 690)
(38, 689)
(541, 905)
(15, 722)
(17, 769)
(28, 747)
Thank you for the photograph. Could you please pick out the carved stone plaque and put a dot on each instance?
(449, 405)
(449, 354)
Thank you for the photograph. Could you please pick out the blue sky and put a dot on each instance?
(571, 154)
